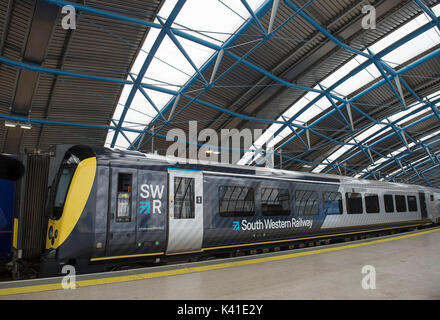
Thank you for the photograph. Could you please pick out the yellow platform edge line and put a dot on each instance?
(158, 274)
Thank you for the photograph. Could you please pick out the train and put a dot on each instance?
(109, 207)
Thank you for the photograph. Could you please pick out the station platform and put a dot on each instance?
(402, 266)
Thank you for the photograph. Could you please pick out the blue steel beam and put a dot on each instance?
(220, 50)
(427, 10)
(313, 23)
(375, 86)
(324, 31)
(411, 179)
(393, 126)
(252, 13)
(361, 67)
(163, 32)
(112, 15)
(416, 164)
(377, 63)
(401, 155)
(344, 46)
(371, 57)
(141, 89)
(85, 76)
(28, 66)
(420, 175)
(387, 137)
(181, 49)
(120, 17)
(261, 12)
(25, 120)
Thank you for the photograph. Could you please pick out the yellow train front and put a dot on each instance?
(93, 206)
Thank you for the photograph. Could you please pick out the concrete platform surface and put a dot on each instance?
(403, 266)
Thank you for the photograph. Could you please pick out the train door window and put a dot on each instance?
(400, 203)
(432, 197)
(184, 198)
(306, 203)
(389, 202)
(372, 203)
(123, 213)
(275, 202)
(236, 201)
(332, 203)
(354, 203)
(412, 203)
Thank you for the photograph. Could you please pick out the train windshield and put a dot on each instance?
(65, 176)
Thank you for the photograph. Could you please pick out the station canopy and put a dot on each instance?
(341, 87)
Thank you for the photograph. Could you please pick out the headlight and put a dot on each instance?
(50, 232)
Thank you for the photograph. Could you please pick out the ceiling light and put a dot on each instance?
(10, 124)
(26, 126)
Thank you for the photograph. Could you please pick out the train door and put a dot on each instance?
(121, 220)
(423, 205)
(185, 221)
(431, 205)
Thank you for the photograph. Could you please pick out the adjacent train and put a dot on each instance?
(108, 207)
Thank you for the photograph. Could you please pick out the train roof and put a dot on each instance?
(104, 154)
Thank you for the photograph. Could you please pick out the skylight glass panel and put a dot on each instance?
(210, 20)
(397, 57)
(372, 132)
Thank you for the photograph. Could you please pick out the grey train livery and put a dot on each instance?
(109, 207)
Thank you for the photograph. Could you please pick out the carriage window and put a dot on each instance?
(354, 203)
(236, 201)
(389, 203)
(123, 213)
(275, 202)
(184, 198)
(372, 203)
(306, 203)
(400, 203)
(412, 203)
(332, 203)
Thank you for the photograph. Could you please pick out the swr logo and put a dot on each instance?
(151, 191)
(235, 225)
(145, 207)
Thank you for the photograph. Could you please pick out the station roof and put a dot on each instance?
(330, 95)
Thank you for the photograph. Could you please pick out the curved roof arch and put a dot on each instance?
(329, 95)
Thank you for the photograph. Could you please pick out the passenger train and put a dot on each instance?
(109, 207)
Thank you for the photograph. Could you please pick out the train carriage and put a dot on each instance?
(109, 207)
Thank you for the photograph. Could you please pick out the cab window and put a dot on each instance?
(61, 192)
(61, 187)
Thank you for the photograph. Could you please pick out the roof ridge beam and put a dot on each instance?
(173, 15)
